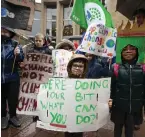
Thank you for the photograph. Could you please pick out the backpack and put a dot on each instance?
(116, 69)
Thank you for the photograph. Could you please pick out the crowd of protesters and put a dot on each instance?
(127, 97)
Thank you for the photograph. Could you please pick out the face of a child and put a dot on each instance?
(129, 53)
(67, 47)
(39, 41)
(77, 68)
(89, 56)
(5, 32)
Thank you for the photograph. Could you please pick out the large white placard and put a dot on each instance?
(73, 105)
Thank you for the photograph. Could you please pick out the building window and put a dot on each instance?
(67, 22)
(51, 22)
(36, 24)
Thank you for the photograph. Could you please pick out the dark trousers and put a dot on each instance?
(73, 134)
(129, 127)
(9, 93)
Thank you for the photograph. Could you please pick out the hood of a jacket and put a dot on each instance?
(134, 60)
(75, 57)
(13, 33)
(63, 43)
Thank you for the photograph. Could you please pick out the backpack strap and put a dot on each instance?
(116, 69)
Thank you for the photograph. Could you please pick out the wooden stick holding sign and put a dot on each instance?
(15, 56)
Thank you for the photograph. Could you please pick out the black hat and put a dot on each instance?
(13, 33)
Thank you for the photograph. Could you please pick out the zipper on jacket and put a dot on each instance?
(130, 68)
(3, 75)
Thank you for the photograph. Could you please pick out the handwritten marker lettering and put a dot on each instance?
(77, 108)
(97, 97)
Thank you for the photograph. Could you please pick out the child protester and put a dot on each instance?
(66, 45)
(38, 47)
(77, 68)
(127, 91)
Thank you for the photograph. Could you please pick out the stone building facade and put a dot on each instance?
(52, 17)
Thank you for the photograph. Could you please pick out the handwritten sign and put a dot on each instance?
(73, 105)
(37, 70)
(60, 60)
(99, 40)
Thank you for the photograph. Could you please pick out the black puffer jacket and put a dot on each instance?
(128, 88)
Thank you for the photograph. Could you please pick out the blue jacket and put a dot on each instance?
(7, 60)
(94, 69)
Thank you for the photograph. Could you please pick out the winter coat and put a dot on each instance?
(94, 69)
(44, 50)
(7, 60)
(127, 91)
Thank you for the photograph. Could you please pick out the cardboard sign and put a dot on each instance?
(37, 70)
(73, 105)
(17, 14)
(99, 40)
(60, 60)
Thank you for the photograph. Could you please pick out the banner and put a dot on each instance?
(60, 60)
(99, 40)
(73, 105)
(17, 14)
(86, 12)
(37, 70)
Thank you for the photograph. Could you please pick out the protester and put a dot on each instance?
(77, 68)
(11, 54)
(66, 45)
(140, 16)
(98, 66)
(127, 91)
(140, 19)
(105, 63)
(38, 47)
(94, 68)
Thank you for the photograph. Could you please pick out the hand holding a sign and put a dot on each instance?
(21, 64)
(17, 51)
(110, 103)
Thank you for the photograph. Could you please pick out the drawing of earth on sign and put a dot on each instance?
(110, 43)
(94, 13)
(4, 12)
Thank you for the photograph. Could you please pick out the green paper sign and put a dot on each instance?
(138, 42)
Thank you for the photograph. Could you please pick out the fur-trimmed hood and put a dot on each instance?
(75, 57)
(63, 43)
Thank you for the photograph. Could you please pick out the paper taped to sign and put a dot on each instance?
(60, 60)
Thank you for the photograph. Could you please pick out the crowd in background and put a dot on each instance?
(127, 89)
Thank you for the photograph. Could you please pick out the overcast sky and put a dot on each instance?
(38, 1)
